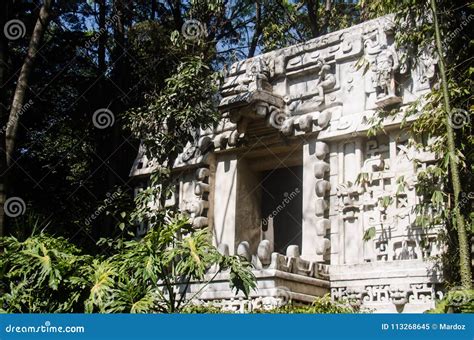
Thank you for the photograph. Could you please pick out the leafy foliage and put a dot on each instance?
(45, 274)
(455, 301)
(185, 104)
(321, 305)
(41, 275)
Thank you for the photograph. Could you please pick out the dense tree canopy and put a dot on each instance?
(126, 57)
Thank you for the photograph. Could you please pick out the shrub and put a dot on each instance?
(455, 301)
(41, 275)
(321, 305)
(46, 274)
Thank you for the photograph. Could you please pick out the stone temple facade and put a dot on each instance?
(290, 180)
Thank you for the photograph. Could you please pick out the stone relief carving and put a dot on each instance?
(298, 84)
(399, 295)
(376, 201)
(225, 134)
(322, 187)
(426, 67)
(290, 263)
(350, 47)
(386, 64)
(282, 296)
(309, 122)
(349, 204)
(304, 80)
(142, 164)
(259, 72)
(314, 96)
(198, 208)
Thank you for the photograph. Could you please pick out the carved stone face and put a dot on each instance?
(192, 208)
(325, 69)
(188, 153)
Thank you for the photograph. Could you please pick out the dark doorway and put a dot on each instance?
(282, 215)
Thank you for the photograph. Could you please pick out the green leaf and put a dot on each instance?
(369, 234)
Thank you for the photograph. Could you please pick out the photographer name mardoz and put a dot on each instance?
(451, 327)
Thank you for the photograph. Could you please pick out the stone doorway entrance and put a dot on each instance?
(281, 207)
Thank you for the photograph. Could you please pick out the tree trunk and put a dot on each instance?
(312, 6)
(4, 17)
(327, 14)
(258, 29)
(23, 79)
(464, 254)
(175, 6)
(153, 10)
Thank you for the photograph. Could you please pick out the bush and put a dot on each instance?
(455, 301)
(41, 275)
(202, 309)
(321, 305)
(46, 274)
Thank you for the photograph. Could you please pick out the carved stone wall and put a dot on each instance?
(310, 105)
(376, 192)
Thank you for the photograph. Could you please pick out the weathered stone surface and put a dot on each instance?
(309, 106)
